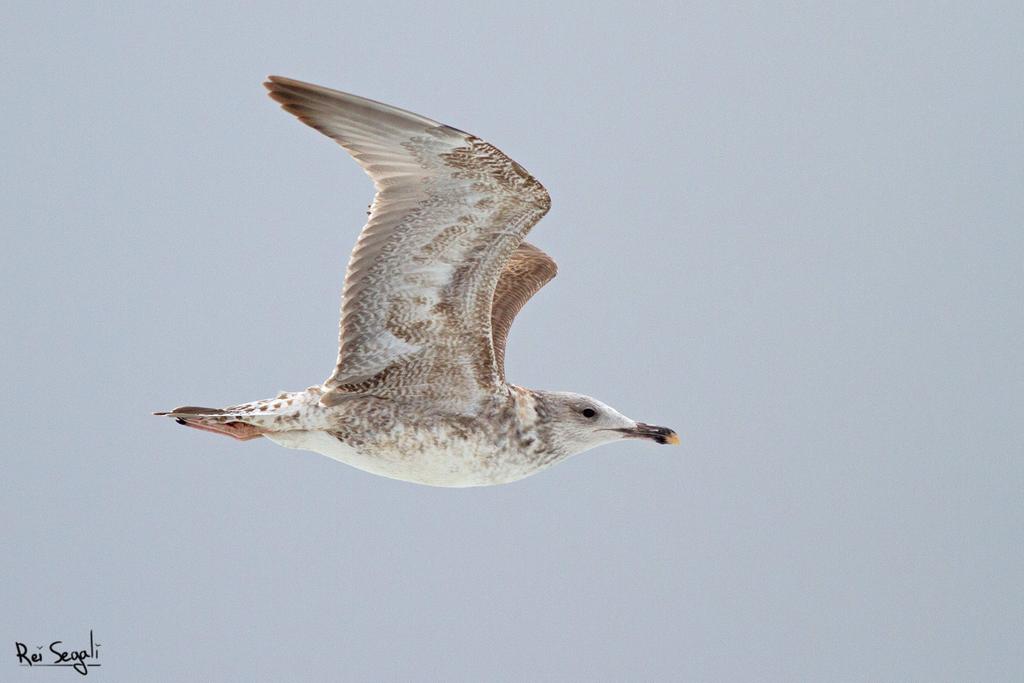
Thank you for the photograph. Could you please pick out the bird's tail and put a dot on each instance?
(247, 420)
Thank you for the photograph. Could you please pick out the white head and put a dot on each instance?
(576, 423)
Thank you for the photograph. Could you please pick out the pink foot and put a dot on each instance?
(236, 430)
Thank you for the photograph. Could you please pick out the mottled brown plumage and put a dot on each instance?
(450, 210)
(526, 272)
(438, 274)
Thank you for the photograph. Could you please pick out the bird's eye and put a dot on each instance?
(589, 412)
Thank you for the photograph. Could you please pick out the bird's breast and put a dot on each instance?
(437, 450)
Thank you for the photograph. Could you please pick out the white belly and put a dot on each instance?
(452, 467)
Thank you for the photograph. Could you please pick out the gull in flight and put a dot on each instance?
(439, 272)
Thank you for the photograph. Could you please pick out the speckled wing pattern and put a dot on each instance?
(449, 212)
(526, 272)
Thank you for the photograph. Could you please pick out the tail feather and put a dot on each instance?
(194, 410)
(216, 420)
(248, 420)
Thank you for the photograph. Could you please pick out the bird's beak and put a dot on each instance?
(662, 435)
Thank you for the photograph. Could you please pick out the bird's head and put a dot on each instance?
(576, 423)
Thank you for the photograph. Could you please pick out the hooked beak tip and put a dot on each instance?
(662, 435)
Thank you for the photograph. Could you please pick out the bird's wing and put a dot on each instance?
(526, 272)
(449, 211)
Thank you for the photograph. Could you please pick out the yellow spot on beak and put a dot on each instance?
(672, 439)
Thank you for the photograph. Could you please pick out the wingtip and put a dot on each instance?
(271, 84)
(275, 84)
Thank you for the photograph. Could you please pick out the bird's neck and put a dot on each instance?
(533, 427)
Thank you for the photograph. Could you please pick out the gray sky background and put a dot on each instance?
(795, 233)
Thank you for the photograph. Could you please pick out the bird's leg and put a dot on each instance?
(236, 430)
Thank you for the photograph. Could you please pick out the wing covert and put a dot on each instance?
(526, 272)
(449, 211)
